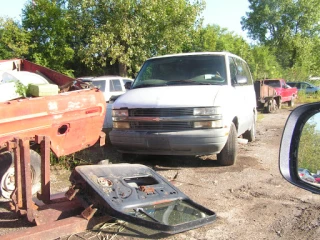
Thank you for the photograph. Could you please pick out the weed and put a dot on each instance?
(87, 156)
(304, 97)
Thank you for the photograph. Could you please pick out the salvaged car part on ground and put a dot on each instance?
(299, 150)
(133, 193)
(137, 194)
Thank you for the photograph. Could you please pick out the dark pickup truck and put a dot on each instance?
(271, 93)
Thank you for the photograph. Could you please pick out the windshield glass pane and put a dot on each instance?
(101, 84)
(183, 70)
(172, 213)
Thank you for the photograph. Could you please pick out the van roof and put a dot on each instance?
(197, 53)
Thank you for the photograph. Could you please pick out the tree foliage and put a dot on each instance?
(291, 28)
(96, 37)
(129, 31)
(277, 21)
(14, 40)
(48, 25)
(264, 64)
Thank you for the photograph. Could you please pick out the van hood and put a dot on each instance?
(171, 96)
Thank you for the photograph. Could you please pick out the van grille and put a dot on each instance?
(161, 125)
(161, 112)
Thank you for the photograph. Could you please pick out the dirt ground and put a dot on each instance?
(251, 199)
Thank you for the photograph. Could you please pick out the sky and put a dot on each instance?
(225, 13)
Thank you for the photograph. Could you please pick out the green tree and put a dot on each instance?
(215, 38)
(203, 39)
(14, 40)
(264, 64)
(289, 26)
(48, 25)
(125, 33)
(277, 20)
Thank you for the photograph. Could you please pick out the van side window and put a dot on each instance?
(246, 72)
(115, 85)
(233, 70)
(239, 67)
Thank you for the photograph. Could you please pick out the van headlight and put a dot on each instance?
(205, 111)
(208, 124)
(121, 125)
(120, 113)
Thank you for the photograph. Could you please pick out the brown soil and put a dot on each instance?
(251, 199)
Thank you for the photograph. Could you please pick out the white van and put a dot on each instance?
(187, 104)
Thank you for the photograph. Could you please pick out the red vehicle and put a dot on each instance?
(69, 121)
(272, 93)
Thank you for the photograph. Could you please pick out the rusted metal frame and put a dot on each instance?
(58, 216)
(44, 142)
(27, 202)
(52, 212)
(22, 195)
(17, 195)
(88, 212)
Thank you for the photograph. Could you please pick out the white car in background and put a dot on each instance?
(112, 87)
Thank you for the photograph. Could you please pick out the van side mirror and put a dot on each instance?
(241, 79)
(127, 85)
(299, 160)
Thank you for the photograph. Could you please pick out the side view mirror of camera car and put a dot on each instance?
(299, 161)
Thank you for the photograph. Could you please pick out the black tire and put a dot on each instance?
(271, 106)
(251, 134)
(291, 102)
(228, 154)
(7, 183)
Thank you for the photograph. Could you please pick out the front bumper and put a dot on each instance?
(190, 142)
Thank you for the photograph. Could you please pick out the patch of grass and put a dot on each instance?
(87, 156)
(260, 116)
(308, 97)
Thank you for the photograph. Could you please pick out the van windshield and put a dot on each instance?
(182, 70)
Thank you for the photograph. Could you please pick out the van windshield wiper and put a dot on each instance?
(180, 81)
(189, 81)
(148, 85)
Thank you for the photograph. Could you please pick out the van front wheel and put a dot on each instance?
(228, 154)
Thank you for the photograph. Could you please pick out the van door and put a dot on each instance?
(245, 94)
